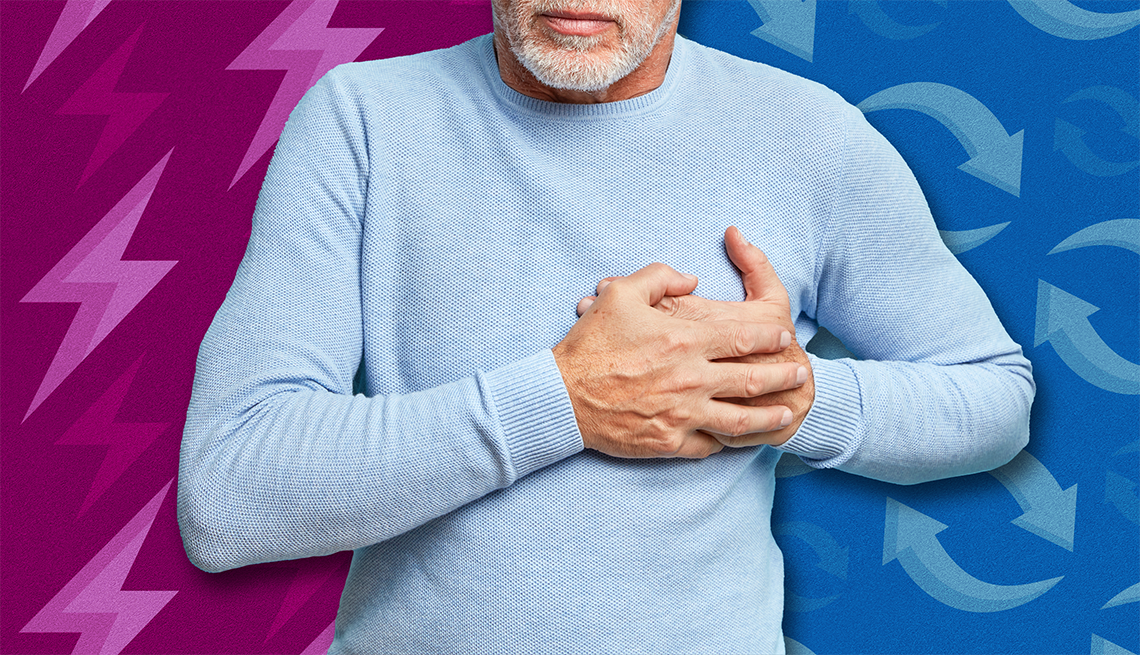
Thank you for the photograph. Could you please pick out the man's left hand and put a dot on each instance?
(766, 301)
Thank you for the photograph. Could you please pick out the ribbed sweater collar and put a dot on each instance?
(581, 112)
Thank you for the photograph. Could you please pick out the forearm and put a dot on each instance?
(911, 422)
(309, 472)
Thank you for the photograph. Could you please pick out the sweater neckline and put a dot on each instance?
(582, 112)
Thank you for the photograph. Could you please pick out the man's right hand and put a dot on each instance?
(643, 384)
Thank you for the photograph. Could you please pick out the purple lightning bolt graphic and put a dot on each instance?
(94, 275)
(126, 440)
(310, 577)
(94, 604)
(321, 644)
(77, 14)
(299, 42)
(125, 111)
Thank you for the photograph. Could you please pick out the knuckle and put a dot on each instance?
(675, 341)
(753, 382)
(742, 339)
(740, 423)
(667, 445)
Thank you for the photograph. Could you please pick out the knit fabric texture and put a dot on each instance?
(380, 376)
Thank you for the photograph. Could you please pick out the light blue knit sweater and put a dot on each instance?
(422, 239)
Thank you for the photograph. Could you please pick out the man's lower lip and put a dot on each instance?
(576, 27)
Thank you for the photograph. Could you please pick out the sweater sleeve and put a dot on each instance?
(941, 389)
(279, 459)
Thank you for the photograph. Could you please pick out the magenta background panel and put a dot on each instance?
(121, 235)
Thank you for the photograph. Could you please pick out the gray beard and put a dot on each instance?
(572, 67)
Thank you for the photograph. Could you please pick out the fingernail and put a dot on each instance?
(801, 375)
(602, 285)
(691, 278)
(787, 419)
(785, 339)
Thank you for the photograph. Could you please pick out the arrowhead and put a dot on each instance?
(1102, 646)
(788, 25)
(1057, 310)
(1065, 134)
(906, 528)
(999, 164)
(1053, 518)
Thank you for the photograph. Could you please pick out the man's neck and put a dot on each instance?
(645, 78)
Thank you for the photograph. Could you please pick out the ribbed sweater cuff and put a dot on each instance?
(535, 412)
(832, 425)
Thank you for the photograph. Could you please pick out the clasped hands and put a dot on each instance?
(655, 372)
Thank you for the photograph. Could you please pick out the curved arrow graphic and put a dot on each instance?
(1068, 138)
(910, 537)
(793, 647)
(832, 557)
(959, 241)
(995, 156)
(1129, 595)
(796, 603)
(1120, 492)
(1102, 646)
(1068, 21)
(1121, 233)
(1050, 513)
(877, 20)
(1062, 319)
(788, 25)
(1119, 100)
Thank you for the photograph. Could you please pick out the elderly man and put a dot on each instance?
(399, 369)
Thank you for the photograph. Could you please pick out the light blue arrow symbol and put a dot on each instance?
(1068, 21)
(1102, 646)
(959, 241)
(1121, 233)
(877, 20)
(832, 557)
(793, 647)
(1121, 102)
(995, 156)
(789, 466)
(788, 25)
(796, 603)
(910, 536)
(1068, 138)
(1119, 491)
(1049, 512)
(1129, 595)
(1062, 319)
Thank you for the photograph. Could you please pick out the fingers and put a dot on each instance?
(605, 282)
(698, 446)
(725, 421)
(739, 380)
(725, 339)
(760, 279)
(656, 281)
(585, 303)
